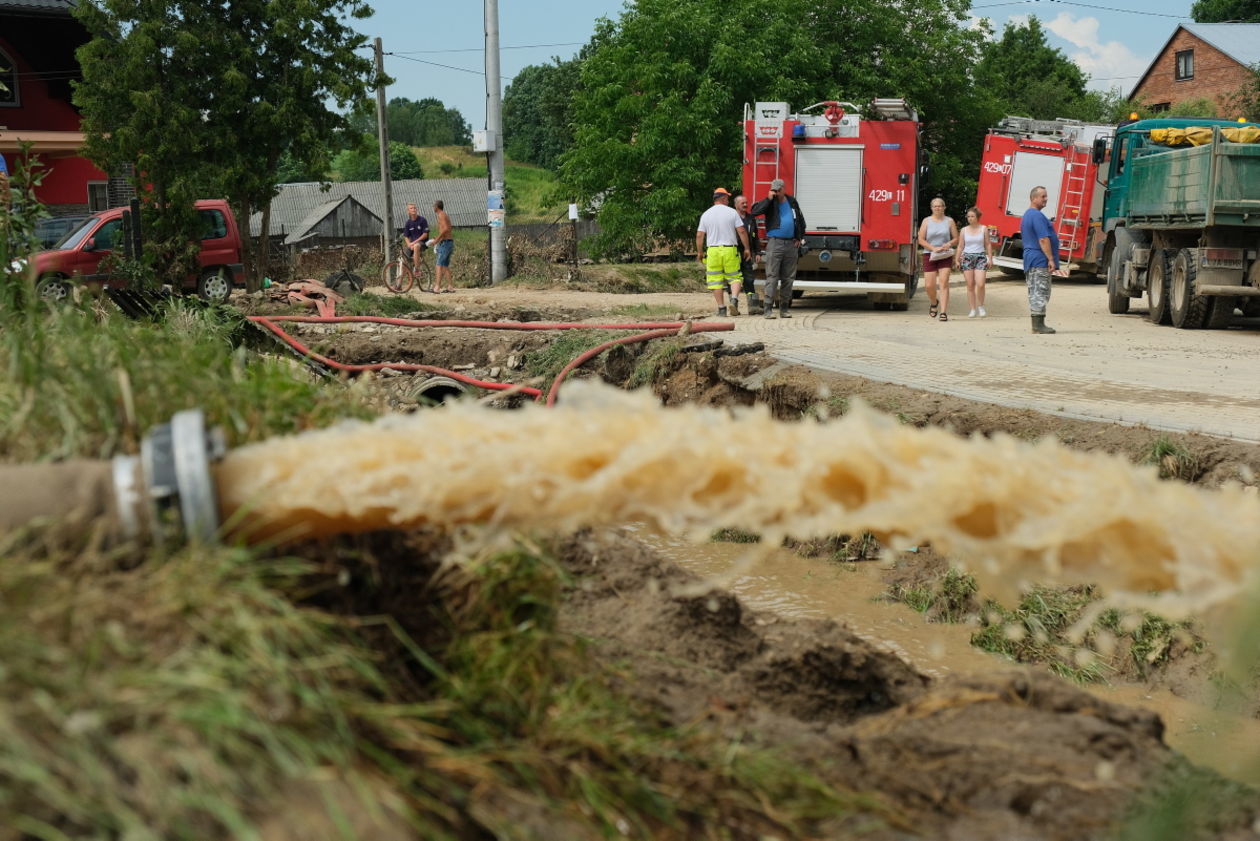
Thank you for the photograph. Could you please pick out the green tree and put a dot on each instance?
(1225, 11)
(206, 98)
(538, 112)
(1026, 76)
(658, 108)
(1245, 102)
(424, 123)
(363, 162)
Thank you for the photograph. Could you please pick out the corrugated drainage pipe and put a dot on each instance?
(438, 390)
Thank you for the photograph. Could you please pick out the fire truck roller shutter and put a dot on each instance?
(829, 187)
(1030, 170)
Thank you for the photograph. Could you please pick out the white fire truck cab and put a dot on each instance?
(1022, 153)
(855, 172)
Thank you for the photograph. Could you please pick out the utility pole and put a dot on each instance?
(494, 124)
(382, 137)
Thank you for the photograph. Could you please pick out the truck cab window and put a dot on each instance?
(213, 225)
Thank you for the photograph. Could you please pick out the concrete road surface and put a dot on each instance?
(1097, 367)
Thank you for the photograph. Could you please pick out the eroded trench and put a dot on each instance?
(807, 651)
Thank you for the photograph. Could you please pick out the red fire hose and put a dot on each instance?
(657, 330)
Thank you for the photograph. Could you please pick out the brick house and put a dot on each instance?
(38, 39)
(1201, 60)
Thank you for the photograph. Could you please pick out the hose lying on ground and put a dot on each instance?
(656, 330)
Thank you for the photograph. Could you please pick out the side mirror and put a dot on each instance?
(1100, 149)
(90, 245)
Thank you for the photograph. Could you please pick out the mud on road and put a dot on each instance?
(1004, 755)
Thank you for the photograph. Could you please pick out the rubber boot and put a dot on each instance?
(1039, 325)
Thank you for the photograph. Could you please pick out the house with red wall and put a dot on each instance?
(38, 39)
(1201, 61)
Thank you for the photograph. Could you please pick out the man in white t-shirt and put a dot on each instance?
(722, 230)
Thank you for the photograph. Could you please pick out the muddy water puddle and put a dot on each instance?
(788, 585)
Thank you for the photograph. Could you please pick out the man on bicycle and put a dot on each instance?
(415, 234)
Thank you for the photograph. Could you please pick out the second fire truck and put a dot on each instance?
(1020, 154)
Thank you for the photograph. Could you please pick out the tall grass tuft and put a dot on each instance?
(79, 381)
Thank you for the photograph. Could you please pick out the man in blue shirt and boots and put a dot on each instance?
(1041, 257)
(785, 231)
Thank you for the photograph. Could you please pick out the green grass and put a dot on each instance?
(197, 694)
(74, 382)
(952, 600)
(547, 362)
(530, 189)
(1172, 460)
(657, 361)
(1036, 632)
(833, 407)
(393, 306)
(646, 312)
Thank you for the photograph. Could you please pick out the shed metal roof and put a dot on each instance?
(463, 198)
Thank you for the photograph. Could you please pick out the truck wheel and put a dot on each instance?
(1117, 302)
(1189, 311)
(1157, 287)
(54, 288)
(214, 286)
(1222, 313)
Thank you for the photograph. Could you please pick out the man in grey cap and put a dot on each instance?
(785, 231)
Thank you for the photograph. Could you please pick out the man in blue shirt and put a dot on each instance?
(785, 231)
(416, 233)
(1041, 257)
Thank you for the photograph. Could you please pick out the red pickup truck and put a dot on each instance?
(77, 257)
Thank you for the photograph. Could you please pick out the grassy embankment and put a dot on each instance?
(531, 189)
(220, 692)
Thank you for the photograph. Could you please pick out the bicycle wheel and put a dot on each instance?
(398, 277)
(422, 275)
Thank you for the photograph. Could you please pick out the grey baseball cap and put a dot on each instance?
(776, 184)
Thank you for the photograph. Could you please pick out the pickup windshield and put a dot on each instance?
(72, 239)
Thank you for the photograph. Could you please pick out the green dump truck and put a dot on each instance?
(1182, 218)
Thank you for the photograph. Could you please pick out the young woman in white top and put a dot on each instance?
(974, 259)
(937, 237)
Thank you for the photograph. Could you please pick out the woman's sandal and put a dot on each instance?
(932, 311)
(943, 317)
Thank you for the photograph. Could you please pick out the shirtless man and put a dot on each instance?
(444, 245)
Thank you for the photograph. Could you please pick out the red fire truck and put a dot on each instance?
(855, 172)
(1021, 153)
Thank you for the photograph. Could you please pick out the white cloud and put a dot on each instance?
(1109, 65)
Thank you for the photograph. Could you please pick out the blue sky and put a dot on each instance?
(439, 46)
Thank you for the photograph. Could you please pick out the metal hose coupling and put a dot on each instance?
(168, 490)
(165, 493)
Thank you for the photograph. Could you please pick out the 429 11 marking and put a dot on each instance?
(886, 195)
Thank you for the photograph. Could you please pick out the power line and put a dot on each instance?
(450, 67)
(1085, 6)
(482, 49)
(446, 66)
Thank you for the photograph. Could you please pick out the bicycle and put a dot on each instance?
(399, 275)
